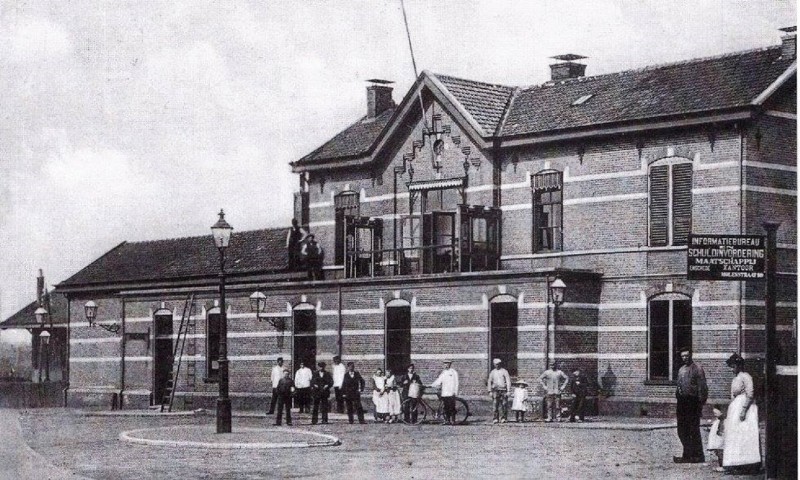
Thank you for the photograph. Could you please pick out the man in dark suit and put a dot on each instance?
(580, 388)
(352, 386)
(410, 409)
(321, 385)
(283, 392)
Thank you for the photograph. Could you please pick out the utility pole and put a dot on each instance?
(771, 384)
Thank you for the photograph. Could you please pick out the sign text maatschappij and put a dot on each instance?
(726, 257)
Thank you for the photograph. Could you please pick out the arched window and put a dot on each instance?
(503, 336)
(304, 344)
(669, 330)
(398, 335)
(670, 205)
(213, 330)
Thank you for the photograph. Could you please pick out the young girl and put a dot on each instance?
(392, 398)
(519, 403)
(716, 437)
(379, 397)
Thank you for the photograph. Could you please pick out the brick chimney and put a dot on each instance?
(567, 68)
(379, 97)
(789, 42)
(40, 288)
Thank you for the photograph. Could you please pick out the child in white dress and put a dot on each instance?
(716, 437)
(379, 397)
(519, 402)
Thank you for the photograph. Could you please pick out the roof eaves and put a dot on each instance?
(682, 119)
(774, 86)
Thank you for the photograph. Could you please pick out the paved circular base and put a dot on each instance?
(241, 438)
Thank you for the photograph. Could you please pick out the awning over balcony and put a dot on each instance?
(436, 184)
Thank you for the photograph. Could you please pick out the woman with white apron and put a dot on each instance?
(379, 396)
(742, 450)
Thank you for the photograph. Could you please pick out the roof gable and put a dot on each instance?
(26, 318)
(255, 251)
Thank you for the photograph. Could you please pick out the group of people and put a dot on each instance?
(734, 435)
(553, 381)
(304, 251)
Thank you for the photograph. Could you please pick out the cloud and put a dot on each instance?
(33, 39)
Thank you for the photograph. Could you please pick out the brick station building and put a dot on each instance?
(445, 217)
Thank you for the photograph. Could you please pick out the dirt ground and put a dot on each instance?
(90, 447)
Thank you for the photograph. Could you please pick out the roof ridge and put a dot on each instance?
(439, 75)
(188, 237)
(656, 66)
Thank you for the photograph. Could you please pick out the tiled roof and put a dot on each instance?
(484, 101)
(700, 85)
(353, 141)
(26, 317)
(727, 81)
(255, 251)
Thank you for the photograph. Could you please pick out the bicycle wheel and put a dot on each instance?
(462, 411)
(414, 411)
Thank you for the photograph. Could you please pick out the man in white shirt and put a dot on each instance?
(302, 386)
(277, 374)
(499, 385)
(448, 380)
(338, 377)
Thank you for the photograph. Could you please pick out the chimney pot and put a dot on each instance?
(789, 43)
(379, 97)
(567, 68)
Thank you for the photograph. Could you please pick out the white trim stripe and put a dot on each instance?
(786, 370)
(779, 114)
(446, 330)
(606, 198)
(367, 356)
(453, 356)
(770, 166)
(78, 341)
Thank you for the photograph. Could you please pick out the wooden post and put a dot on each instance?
(771, 385)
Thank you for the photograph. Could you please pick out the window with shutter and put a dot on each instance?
(681, 203)
(670, 207)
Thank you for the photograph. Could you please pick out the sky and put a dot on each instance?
(139, 120)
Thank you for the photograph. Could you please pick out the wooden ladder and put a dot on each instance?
(177, 354)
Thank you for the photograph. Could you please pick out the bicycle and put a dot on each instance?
(416, 410)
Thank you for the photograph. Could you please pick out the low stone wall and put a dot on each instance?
(31, 395)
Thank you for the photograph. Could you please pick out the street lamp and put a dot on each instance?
(90, 310)
(555, 292)
(41, 315)
(258, 304)
(221, 232)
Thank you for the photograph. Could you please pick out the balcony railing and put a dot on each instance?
(428, 259)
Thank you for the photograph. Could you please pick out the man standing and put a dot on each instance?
(448, 380)
(406, 382)
(321, 390)
(499, 386)
(691, 392)
(276, 376)
(352, 386)
(283, 392)
(302, 382)
(580, 388)
(553, 388)
(314, 256)
(294, 239)
(338, 377)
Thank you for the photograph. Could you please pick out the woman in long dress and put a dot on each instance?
(379, 397)
(392, 398)
(742, 451)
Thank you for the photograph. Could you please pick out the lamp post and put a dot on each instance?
(90, 310)
(555, 292)
(221, 232)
